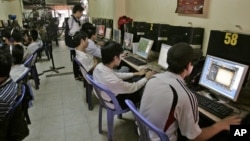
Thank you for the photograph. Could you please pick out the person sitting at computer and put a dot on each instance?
(31, 37)
(87, 60)
(170, 105)
(93, 48)
(17, 68)
(111, 57)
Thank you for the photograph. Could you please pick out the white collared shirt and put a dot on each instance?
(93, 49)
(85, 59)
(115, 80)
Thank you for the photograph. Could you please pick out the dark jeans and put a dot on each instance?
(134, 97)
(76, 68)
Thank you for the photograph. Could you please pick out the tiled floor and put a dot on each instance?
(60, 111)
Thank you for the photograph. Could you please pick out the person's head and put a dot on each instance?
(6, 36)
(90, 30)
(5, 63)
(180, 58)
(30, 35)
(16, 35)
(77, 11)
(80, 39)
(17, 54)
(111, 53)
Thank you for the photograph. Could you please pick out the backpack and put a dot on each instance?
(69, 39)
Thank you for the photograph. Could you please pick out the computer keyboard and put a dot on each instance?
(218, 109)
(135, 61)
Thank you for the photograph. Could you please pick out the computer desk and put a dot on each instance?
(155, 67)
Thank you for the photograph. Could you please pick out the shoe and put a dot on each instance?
(79, 78)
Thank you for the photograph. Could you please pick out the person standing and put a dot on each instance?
(73, 25)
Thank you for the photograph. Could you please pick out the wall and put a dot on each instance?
(110, 9)
(11, 7)
(219, 14)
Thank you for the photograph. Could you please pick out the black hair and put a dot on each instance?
(78, 36)
(16, 35)
(6, 33)
(110, 50)
(76, 8)
(33, 34)
(17, 54)
(89, 29)
(179, 56)
(5, 63)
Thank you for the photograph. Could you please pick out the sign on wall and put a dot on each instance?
(190, 6)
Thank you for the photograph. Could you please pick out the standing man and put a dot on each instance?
(170, 105)
(72, 26)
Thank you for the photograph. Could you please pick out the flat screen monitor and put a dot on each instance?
(108, 32)
(100, 29)
(127, 41)
(144, 47)
(117, 35)
(162, 61)
(223, 77)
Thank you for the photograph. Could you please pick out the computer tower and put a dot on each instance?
(196, 37)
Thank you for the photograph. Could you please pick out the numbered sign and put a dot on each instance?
(229, 45)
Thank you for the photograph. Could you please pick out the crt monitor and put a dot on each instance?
(108, 33)
(223, 77)
(144, 47)
(162, 60)
(100, 29)
(117, 35)
(127, 41)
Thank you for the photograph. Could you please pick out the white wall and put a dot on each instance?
(219, 14)
(11, 7)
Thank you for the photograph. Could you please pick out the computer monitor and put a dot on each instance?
(108, 32)
(223, 77)
(127, 41)
(117, 35)
(144, 47)
(162, 61)
(100, 29)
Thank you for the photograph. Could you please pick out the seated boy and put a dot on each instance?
(104, 73)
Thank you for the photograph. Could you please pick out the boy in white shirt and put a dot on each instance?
(104, 73)
(87, 60)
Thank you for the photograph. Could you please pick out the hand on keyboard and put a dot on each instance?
(226, 122)
(149, 74)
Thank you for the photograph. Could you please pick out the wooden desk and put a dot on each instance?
(153, 65)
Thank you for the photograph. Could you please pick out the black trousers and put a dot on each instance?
(134, 97)
(76, 68)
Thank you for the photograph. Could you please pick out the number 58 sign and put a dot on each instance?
(231, 39)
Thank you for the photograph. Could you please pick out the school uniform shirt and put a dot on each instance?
(32, 47)
(115, 81)
(17, 71)
(85, 59)
(157, 101)
(8, 94)
(74, 26)
(93, 49)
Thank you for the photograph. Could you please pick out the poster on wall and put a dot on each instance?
(190, 6)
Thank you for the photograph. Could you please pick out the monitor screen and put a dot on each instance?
(144, 47)
(108, 33)
(100, 30)
(128, 40)
(162, 61)
(223, 77)
(117, 35)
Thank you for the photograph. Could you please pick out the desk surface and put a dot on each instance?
(153, 65)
